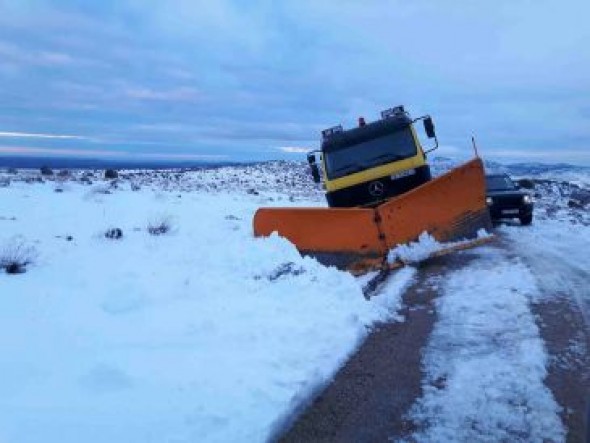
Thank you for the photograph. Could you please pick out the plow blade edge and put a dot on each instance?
(450, 208)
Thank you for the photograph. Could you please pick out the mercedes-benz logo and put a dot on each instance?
(376, 188)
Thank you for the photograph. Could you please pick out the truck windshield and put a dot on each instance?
(499, 183)
(395, 146)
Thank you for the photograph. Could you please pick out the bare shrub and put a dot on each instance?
(16, 255)
(160, 225)
(100, 189)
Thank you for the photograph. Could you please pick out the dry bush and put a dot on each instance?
(160, 225)
(16, 255)
(100, 189)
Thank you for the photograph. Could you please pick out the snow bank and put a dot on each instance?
(204, 334)
(485, 362)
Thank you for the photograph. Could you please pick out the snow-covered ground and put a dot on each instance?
(207, 334)
(201, 334)
(559, 254)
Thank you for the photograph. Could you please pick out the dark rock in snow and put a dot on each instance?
(579, 198)
(46, 170)
(526, 183)
(575, 204)
(288, 268)
(114, 234)
(111, 173)
(15, 268)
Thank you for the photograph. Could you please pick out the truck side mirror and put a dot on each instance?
(315, 172)
(429, 127)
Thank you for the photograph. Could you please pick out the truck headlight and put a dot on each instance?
(527, 199)
(489, 201)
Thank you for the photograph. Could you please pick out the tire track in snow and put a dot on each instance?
(558, 255)
(373, 390)
(485, 362)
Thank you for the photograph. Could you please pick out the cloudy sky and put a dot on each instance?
(256, 79)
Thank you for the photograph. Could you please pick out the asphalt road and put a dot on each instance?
(372, 392)
(369, 396)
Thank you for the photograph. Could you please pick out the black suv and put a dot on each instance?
(506, 200)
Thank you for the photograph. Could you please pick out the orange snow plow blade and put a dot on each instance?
(450, 208)
(347, 238)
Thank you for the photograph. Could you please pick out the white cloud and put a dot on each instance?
(26, 150)
(37, 135)
(294, 149)
(183, 94)
(55, 58)
(447, 150)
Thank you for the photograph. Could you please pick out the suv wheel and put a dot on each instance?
(526, 220)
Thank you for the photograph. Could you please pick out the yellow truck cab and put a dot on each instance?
(366, 165)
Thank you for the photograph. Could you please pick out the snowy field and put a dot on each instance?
(201, 334)
(204, 333)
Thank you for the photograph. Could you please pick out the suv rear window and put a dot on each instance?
(499, 182)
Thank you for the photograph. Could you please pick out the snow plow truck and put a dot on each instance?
(381, 195)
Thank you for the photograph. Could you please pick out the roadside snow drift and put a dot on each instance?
(201, 334)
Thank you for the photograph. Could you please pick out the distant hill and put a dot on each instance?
(32, 162)
(440, 165)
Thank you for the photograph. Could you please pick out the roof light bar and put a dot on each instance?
(327, 133)
(392, 112)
